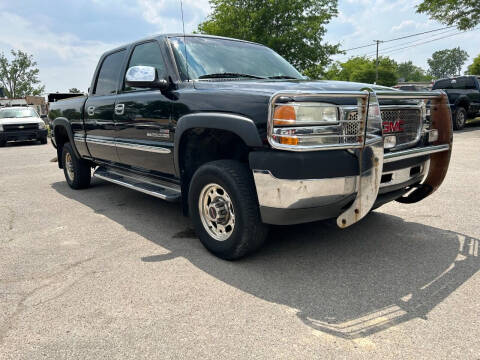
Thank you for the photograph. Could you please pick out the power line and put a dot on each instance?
(418, 44)
(400, 38)
(410, 42)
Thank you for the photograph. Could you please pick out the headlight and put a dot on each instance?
(41, 126)
(306, 124)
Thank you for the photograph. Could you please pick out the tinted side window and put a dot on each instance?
(470, 83)
(108, 75)
(443, 84)
(147, 54)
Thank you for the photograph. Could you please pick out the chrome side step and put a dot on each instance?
(168, 192)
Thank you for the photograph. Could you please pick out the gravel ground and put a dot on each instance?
(111, 273)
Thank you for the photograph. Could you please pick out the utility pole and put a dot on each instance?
(376, 63)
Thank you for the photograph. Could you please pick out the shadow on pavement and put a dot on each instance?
(348, 283)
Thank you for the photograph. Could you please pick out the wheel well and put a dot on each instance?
(61, 137)
(201, 145)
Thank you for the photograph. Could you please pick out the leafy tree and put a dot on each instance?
(474, 68)
(74, 91)
(410, 72)
(362, 69)
(294, 28)
(464, 14)
(20, 76)
(448, 62)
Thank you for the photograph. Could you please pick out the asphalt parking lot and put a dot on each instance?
(111, 273)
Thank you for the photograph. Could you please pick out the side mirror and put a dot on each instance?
(144, 77)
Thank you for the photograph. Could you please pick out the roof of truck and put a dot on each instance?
(163, 36)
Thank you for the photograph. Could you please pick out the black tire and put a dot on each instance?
(80, 169)
(43, 140)
(3, 143)
(248, 232)
(459, 118)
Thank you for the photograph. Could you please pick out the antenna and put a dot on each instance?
(184, 41)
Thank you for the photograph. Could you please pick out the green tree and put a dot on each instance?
(474, 68)
(464, 14)
(410, 72)
(20, 75)
(293, 28)
(74, 91)
(448, 62)
(362, 69)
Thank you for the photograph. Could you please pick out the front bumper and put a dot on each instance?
(23, 135)
(291, 191)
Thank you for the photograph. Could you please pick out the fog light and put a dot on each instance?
(433, 135)
(389, 141)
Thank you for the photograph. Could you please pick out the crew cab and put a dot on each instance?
(464, 97)
(243, 140)
(21, 124)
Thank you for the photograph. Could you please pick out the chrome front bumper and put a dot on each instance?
(293, 196)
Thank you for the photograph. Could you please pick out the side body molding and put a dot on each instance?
(242, 126)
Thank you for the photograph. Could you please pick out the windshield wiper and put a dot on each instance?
(283, 77)
(227, 75)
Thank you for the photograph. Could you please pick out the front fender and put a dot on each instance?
(242, 126)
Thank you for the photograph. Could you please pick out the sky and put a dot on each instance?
(67, 37)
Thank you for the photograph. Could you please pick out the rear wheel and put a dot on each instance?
(77, 171)
(224, 209)
(459, 118)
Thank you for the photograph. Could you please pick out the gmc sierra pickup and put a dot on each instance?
(242, 139)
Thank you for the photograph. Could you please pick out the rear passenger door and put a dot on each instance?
(99, 108)
(144, 129)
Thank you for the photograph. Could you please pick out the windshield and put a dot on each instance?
(17, 113)
(213, 56)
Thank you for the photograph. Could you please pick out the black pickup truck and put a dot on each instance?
(464, 97)
(242, 139)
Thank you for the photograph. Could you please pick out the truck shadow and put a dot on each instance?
(348, 283)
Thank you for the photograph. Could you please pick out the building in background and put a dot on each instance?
(36, 102)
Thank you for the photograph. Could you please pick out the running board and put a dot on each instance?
(168, 192)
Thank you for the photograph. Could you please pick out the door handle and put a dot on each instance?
(91, 110)
(119, 109)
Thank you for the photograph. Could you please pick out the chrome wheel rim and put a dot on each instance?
(69, 166)
(216, 212)
(460, 118)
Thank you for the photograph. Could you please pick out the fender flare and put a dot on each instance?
(240, 125)
(64, 123)
(462, 99)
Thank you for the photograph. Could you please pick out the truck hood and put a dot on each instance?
(272, 86)
(15, 121)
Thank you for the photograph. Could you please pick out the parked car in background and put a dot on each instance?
(242, 139)
(21, 124)
(464, 97)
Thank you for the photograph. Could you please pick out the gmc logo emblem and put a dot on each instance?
(392, 126)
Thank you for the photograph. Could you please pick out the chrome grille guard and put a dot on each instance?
(368, 146)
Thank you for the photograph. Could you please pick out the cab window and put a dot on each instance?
(109, 74)
(147, 54)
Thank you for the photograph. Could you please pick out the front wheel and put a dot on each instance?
(43, 140)
(224, 209)
(77, 171)
(459, 118)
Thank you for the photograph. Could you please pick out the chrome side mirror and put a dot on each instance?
(144, 77)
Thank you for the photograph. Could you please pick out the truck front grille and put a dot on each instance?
(20, 127)
(405, 124)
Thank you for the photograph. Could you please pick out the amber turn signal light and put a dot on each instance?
(284, 115)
